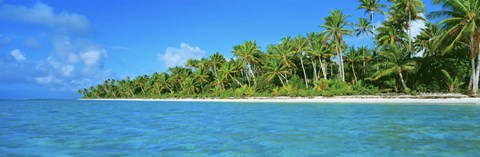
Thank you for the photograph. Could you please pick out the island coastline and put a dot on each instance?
(364, 99)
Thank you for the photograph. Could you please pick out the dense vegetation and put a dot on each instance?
(442, 58)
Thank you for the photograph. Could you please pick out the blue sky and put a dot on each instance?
(51, 48)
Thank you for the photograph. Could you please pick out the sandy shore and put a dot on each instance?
(473, 101)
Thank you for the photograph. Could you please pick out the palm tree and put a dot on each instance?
(191, 63)
(453, 82)
(363, 29)
(365, 57)
(248, 55)
(319, 50)
(285, 52)
(390, 33)
(190, 86)
(162, 83)
(353, 57)
(370, 7)
(274, 69)
(395, 60)
(461, 24)
(409, 8)
(334, 26)
(216, 60)
(299, 44)
(424, 42)
(178, 74)
(201, 76)
(228, 71)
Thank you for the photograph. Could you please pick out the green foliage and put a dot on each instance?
(320, 60)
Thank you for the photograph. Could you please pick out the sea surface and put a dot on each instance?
(128, 128)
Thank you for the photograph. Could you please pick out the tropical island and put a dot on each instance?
(443, 58)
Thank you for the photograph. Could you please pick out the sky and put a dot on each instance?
(51, 48)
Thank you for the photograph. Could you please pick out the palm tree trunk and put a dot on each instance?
(323, 68)
(476, 79)
(215, 70)
(408, 28)
(314, 69)
(372, 13)
(403, 82)
(341, 63)
(354, 75)
(304, 73)
(280, 78)
(238, 82)
(252, 73)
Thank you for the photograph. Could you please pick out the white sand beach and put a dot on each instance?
(348, 100)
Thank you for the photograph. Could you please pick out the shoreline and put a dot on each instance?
(338, 99)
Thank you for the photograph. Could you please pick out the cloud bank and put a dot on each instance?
(43, 14)
(74, 61)
(174, 56)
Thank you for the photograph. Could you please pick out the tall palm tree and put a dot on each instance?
(370, 7)
(319, 50)
(299, 44)
(216, 60)
(248, 54)
(395, 61)
(363, 29)
(334, 27)
(283, 53)
(461, 24)
(411, 10)
(365, 57)
(353, 57)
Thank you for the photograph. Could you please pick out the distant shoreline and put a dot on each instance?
(338, 99)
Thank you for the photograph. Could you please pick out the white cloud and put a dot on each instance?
(92, 57)
(18, 55)
(417, 26)
(75, 61)
(41, 13)
(67, 70)
(47, 80)
(174, 56)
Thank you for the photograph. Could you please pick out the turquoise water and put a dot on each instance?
(120, 128)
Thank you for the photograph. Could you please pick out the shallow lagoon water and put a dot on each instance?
(129, 128)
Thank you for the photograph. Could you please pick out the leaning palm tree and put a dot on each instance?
(228, 71)
(461, 24)
(299, 44)
(395, 61)
(275, 69)
(248, 55)
(334, 27)
(370, 7)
